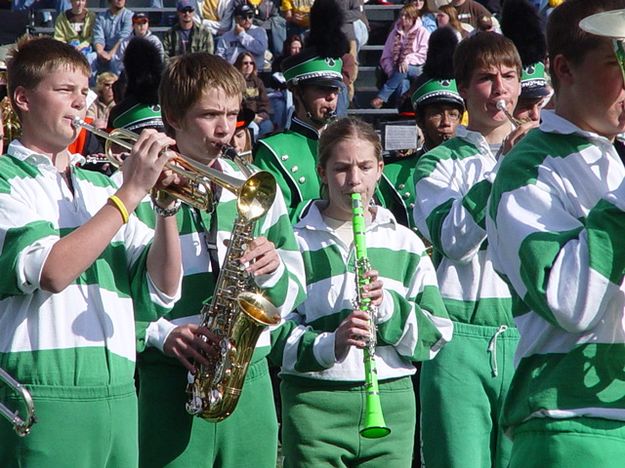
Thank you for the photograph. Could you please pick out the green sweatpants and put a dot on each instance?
(321, 423)
(169, 436)
(569, 443)
(463, 390)
(76, 427)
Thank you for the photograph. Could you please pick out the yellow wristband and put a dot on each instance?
(120, 207)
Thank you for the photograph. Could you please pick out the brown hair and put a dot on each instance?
(483, 50)
(238, 63)
(454, 21)
(35, 57)
(411, 11)
(345, 129)
(564, 37)
(189, 76)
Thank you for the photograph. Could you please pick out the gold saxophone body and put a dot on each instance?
(238, 312)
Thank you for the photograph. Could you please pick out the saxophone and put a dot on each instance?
(374, 425)
(238, 312)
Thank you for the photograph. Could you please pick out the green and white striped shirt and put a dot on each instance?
(452, 191)
(556, 225)
(83, 336)
(284, 288)
(412, 321)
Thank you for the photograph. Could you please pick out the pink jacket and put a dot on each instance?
(419, 46)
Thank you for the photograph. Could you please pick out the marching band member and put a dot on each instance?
(320, 348)
(200, 97)
(555, 224)
(462, 390)
(75, 263)
(314, 77)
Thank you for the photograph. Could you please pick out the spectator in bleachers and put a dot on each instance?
(403, 56)
(447, 17)
(427, 18)
(214, 15)
(140, 28)
(101, 108)
(255, 95)
(186, 36)
(111, 27)
(353, 11)
(244, 37)
(297, 15)
(267, 16)
(469, 11)
(281, 98)
(75, 26)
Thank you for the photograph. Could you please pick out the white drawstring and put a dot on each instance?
(492, 349)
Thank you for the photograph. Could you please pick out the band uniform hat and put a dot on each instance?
(140, 116)
(308, 68)
(182, 4)
(437, 91)
(243, 10)
(533, 82)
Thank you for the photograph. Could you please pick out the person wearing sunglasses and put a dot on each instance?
(244, 37)
(186, 36)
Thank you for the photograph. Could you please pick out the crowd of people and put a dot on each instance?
(486, 318)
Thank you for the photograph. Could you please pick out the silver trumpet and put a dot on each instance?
(21, 426)
(501, 105)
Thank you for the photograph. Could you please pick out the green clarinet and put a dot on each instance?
(374, 425)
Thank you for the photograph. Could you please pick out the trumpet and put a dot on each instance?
(501, 105)
(21, 426)
(196, 193)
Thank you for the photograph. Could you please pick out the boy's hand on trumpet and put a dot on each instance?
(144, 167)
(515, 135)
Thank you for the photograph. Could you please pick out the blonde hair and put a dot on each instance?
(188, 76)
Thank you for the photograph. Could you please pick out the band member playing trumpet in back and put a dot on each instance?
(321, 345)
(465, 385)
(314, 77)
(555, 224)
(200, 97)
(76, 263)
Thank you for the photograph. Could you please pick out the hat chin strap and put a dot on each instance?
(331, 116)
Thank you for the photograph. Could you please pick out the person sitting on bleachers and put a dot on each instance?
(267, 16)
(186, 36)
(101, 108)
(297, 15)
(111, 27)
(214, 15)
(140, 28)
(255, 95)
(244, 37)
(76, 24)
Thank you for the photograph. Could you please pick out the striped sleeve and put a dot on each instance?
(450, 206)
(567, 267)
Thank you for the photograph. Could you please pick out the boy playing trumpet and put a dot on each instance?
(76, 264)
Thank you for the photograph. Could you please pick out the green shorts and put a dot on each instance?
(76, 427)
(169, 436)
(321, 423)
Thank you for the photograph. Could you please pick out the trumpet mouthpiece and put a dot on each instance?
(77, 121)
(501, 105)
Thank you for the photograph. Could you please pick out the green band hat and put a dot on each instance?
(139, 116)
(304, 68)
(533, 81)
(435, 91)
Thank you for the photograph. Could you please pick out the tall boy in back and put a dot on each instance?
(463, 388)
(76, 264)
(555, 224)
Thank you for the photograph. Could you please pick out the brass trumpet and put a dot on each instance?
(197, 192)
(21, 426)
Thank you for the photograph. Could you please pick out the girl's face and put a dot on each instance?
(247, 66)
(442, 19)
(296, 47)
(406, 22)
(352, 168)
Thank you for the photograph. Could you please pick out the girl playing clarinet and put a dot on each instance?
(321, 347)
